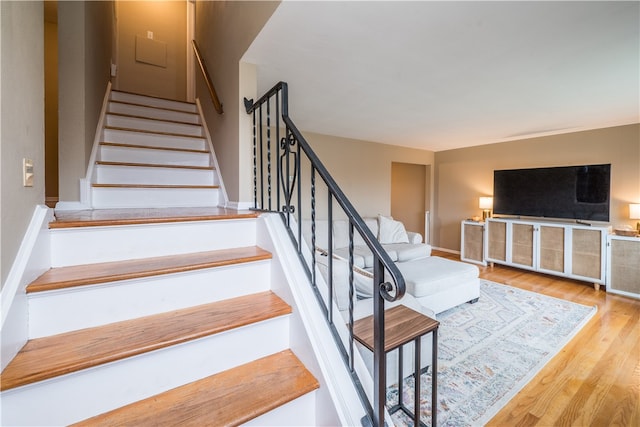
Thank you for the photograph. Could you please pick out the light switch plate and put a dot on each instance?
(27, 172)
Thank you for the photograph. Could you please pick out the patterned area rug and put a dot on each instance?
(489, 350)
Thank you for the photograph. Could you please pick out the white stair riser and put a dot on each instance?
(144, 155)
(152, 125)
(155, 113)
(74, 397)
(56, 312)
(298, 412)
(153, 139)
(110, 174)
(86, 245)
(153, 102)
(110, 198)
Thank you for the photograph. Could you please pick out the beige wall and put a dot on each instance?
(84, 47)
(22, 121)
(409, 194)
(363, 170)
(463, 175)
(224, 31)
(168, 22)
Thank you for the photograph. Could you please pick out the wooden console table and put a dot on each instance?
(403, 325)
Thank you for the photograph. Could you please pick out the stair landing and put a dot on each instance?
(128, 216)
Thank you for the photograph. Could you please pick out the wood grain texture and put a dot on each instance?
(151, 147)
(49, 357)
(153, 132)
(133, 116)
(96, 185)
(153, 165)
(129, 216)
(155, 106)
(595, 379)
(229, 398)
(91, 274)
(402, 325)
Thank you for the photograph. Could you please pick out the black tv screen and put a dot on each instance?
(569, 192)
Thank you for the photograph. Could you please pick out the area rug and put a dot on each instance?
(488, 351)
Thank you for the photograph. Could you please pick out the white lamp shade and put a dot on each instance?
(487, 203)
(634, 210)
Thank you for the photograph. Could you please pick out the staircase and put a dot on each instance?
(152, 315)
(152, 153)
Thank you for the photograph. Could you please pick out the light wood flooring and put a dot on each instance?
(595, 379)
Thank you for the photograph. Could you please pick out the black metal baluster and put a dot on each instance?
(351, 358)
(313, 226)
(330, 249)
(261, 158)
(255, 168)
(269, 152)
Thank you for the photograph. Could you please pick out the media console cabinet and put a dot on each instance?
(563, 249)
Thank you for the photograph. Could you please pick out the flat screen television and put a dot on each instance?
(567, 192)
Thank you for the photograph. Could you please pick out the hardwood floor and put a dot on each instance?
(595, 379)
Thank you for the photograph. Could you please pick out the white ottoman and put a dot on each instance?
(439, 283)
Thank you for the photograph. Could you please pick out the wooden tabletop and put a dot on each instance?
(402, 325)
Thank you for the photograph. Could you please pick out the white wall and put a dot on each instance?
(22, 121)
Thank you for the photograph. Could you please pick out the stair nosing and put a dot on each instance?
(206, 390)
(133, 116)
(155, 107)
(180, 135)
(140, 268)
(152, 147)
(196, 322)
(57, 224)
(153, 165)
(156, 186)
(154, 97)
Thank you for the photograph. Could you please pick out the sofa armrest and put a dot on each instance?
(414, 237)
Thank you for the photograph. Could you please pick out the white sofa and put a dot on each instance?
(437, 283)
(433, 284)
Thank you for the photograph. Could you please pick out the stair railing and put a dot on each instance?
(207, 78)
(276, 140)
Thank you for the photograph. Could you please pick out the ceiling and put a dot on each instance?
(444, 75)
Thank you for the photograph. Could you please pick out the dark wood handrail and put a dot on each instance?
(207, 78)
(289, 179)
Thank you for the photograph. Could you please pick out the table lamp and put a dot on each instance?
(634, 213)
(486, 204)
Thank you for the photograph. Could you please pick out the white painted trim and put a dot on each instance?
(33, 259)
(328, 365)
(85, 184)
(72, 206)
(240, 206)
(214, 158)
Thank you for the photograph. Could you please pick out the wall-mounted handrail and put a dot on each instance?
(288, 192)
(207, 78)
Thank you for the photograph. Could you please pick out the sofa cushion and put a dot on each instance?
(431, 275)
(406, 251)
(391, 231)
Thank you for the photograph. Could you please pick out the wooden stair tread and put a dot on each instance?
(229, 398)
(166, 186)
(133, 116)
(131, 216)
(49, 357)
(153, 107)
(153, 132)
(153, 97)
(154, 147)
(153, 165)
(90, 274)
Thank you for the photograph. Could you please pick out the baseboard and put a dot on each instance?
(451, 251)
(240, 206)
(72, 206)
